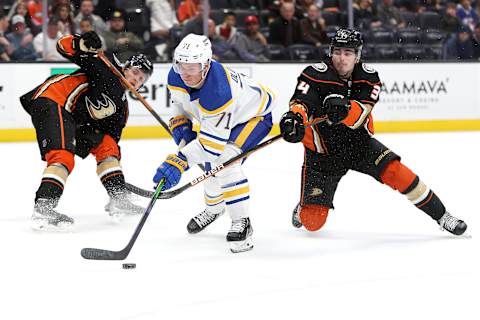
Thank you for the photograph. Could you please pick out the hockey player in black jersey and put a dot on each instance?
(346, 90)
(80, 114)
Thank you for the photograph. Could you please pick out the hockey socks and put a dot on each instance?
(110, 173)
(401, 178)
(53, 182)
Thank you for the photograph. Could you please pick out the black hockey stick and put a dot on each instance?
(170, 194)
(102, 254)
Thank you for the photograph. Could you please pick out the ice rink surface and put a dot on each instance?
(377, 257)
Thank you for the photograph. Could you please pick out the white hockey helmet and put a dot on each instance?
(193, 49)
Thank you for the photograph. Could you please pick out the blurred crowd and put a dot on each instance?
(245, 30)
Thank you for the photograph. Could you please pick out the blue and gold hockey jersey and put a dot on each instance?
(226, 99)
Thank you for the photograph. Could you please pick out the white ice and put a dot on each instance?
(377, 257)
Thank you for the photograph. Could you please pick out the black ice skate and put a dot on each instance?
(120, 206)
(240, 235)
(45, 218)
(202, 220)
(296, 217)
(452, 224)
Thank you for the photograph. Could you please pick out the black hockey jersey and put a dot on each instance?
(318, 81)
(93, 95)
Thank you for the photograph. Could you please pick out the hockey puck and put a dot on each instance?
(129, 265)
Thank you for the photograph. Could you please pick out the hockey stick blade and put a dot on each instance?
(101, 254)
(170, 194)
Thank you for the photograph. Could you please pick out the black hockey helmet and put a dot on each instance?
(141, 62)
(347, 38)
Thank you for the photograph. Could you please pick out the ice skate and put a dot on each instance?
(296, 217)
(121, 206)
(46, 219)
(202, 220)
(240, 235)
(451, 224)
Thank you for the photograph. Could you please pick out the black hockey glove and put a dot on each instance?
(89, 42)
(292, 127)
(336, 107)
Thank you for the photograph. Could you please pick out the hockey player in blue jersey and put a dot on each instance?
(234, 115)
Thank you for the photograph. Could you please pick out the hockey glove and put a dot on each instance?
(172, 169)
(336, 107)
(181, 129)
(292, 127)
(89, 42)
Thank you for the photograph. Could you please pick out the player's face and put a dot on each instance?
(191, 73)
(343, 60)
(136, 77)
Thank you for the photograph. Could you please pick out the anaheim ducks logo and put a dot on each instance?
(367, 68)
(320, 67)
(101, 109)
(316, 192)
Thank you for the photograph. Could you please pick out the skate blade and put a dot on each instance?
(43, 225)
(241, 246)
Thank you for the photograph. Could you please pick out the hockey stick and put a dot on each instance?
(170, 194)
(102, 254)
(127, 84)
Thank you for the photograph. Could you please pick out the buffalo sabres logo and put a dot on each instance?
(101, 109)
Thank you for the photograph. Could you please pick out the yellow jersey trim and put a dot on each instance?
(170, 87)
(213, 145)
(237, 192)
(247, 130)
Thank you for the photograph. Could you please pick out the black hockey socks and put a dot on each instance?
(425, 199)
(53, 182)
(110, 173)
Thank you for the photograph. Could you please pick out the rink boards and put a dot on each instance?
(415, 96)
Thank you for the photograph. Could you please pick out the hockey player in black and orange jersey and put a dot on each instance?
(345, 90)
(82, 113)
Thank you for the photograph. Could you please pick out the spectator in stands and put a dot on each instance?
(53, 35)
(227, 29)
(364, 16)
(285, 29)
(34, 8)
(119, 41)
(162, 19)
(86, 25)
(21, 39)
(313, 27)
(246, 48)
(5, 46)
(86, 11)
(467, 15)
(460, 46)
(389, 15)
(255, 43)
(188, 9)
(449, 20)
(195, 24)
(20, 8)
(222, 50)
(65, 18)
(476, 42)
(301, 8)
